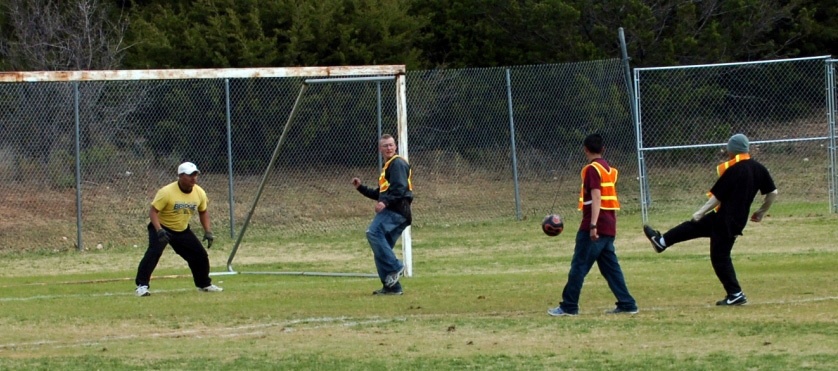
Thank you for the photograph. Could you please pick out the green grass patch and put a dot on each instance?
(477, 300)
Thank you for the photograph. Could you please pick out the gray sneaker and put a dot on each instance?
(393, 278)
(558, 312)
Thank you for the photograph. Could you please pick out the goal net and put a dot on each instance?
(304, 201)
(99, 144)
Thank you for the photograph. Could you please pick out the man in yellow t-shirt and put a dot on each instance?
(170, 212)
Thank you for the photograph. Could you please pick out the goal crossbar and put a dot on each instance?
(204, 73)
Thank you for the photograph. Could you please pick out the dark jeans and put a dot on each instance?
(185, 244)
(585, 254)
(721, 243)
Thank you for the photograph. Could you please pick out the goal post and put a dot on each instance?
(401, 118)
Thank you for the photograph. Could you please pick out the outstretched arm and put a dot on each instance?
(710, 205)
(766, 204)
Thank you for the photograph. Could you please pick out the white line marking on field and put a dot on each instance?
(225, 332)
(749, 304)
(810, 300)
(103, 294)
(101, 280)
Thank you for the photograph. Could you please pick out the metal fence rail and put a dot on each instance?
(686, 114)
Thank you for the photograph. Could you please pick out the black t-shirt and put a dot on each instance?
(736, 189)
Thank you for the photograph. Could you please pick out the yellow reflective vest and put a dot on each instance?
(384, 185)
(720, 169)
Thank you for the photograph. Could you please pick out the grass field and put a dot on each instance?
(477, 300)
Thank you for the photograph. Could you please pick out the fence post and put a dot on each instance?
(78, 165)
(830, 115)
(378, 117)
(631, 86)
(512, 143)
(229, 158)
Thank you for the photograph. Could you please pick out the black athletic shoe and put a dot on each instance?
(655, 238)
(737, 299)
(387, 291)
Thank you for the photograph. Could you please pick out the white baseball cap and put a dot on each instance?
(187, 168)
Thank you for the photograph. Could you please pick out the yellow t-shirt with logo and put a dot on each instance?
(176, 207)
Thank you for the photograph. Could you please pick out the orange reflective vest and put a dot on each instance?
(720, 169)
(607, 187)
(384, 185)
(724, 165)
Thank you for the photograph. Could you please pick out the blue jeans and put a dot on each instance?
(382, 234)
(585, 254)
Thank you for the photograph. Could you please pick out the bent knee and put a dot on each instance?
(371, 233)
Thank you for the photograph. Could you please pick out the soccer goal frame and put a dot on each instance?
(401, 117)
(313, 75)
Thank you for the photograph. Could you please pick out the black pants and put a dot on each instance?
(185, 244)
(721, 243)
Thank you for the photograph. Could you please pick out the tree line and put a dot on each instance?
(423, 34)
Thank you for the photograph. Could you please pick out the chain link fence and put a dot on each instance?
(485, 145)
(465, 123)
(686, 114)
(133, 134)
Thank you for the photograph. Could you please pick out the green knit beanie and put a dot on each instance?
(738, 144)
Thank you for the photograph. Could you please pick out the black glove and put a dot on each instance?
(162, 236)
(209, 238)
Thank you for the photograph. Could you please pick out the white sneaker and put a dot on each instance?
(210, 288)
(143, 291)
